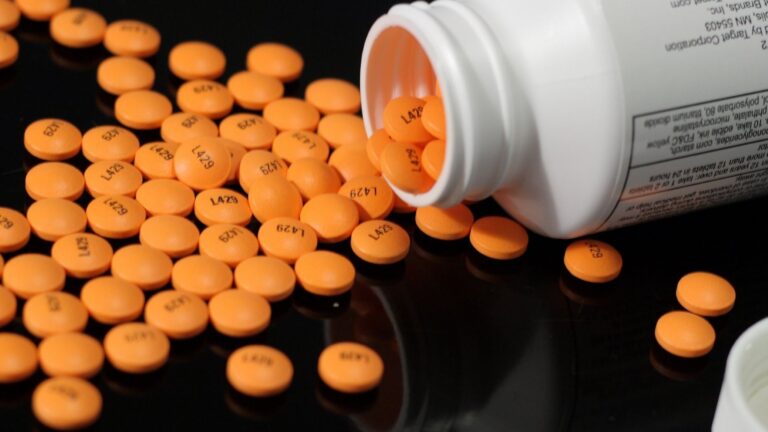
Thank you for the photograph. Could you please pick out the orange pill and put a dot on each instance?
(286, 238)
(82, 255)
(54, 180)
(166, 197)
(14, 230)
(136, 347)
(313, 177)
(350, 367)
(402, 120)
(196, 60)
(182, 126)
(228, 243)
(202, 163)
(222, 206)
(205, 97)
(249, 130)
(294, 145)
(342, 129)
(236, 154)
(331, 96)
(592, 261)
(110, 300)
(274, 196)
(102, 143)
(115, 216)
(352, 162)
(143, 266)
(706, 294)
(179, 315)
(375, 145)
(109, 177)
(380, 242)
(29, 274)
(266, 276)
(201, 275)
(155, 160)
(132, 38)
(71, 354)
(78, 27)
(41, 10)
(253, 90)
(70, 218)
(259, 371)
(142, 109)
(291, 114)
(433, 118)
(173, 235)
(432, 158)
(498, 237)
(275, 60)
(18, 358)
(121, 74)
(325, 273)
(239, 313)
(52, 139)
(685, 334)
(445, 224)
(9, 50)
(51, 313)
(9, 15)
(372, 195)
(401, 165)
(332, 216)
(260, 163)
(66, 403)
(8, 306)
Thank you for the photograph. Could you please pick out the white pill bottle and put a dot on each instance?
(583, 115)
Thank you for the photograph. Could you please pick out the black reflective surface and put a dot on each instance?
(468, 343)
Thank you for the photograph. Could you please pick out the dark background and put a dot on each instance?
(469, 344)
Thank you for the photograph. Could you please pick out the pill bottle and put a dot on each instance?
(580, 116)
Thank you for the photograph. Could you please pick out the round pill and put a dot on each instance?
(51, 313)
(41, 10)
(144, 266)
(313, 177)
(332, 216)
(685, 334)
(205, 97)
(71, 354)
(66, 403)
(325, 273)
(249, 130)
(14, 230)
(136, 347)
(222, 206)
(182, 126)
(9, 15)
(70, 218)
(29, 274)
(291, 114)
(239, 313)
(445, 224)
(115, 216)
(202, 163)
(274, 196)
(706, 294)
(52, 139)
(201, 275)
(498, 237)
(109, 177)
(331, 96)
(352, 162)
(132, 38)
(236, 154)
(294, 145)
(54, 180)
(260, 163)
(266, 276)
(592, 261)
(110, 300)
(432, 158)
(78, 27)
(179, 315)
(110, 143)
(82, 255)
(401, 165)
(259, 371)
(253, 90)
(380, 242)
(275, 60)
(196, 60)
(121, 74)
(350, 367)
(173, 235)
(18, 358)
(228, 243)
(286, 238)
(155, 160)
(9, 50)
(375, 145)
(166, 197)
(433, 118)
(8, 306)
(402, 120)
(342, 129)
(372, 195)
(142, 109)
